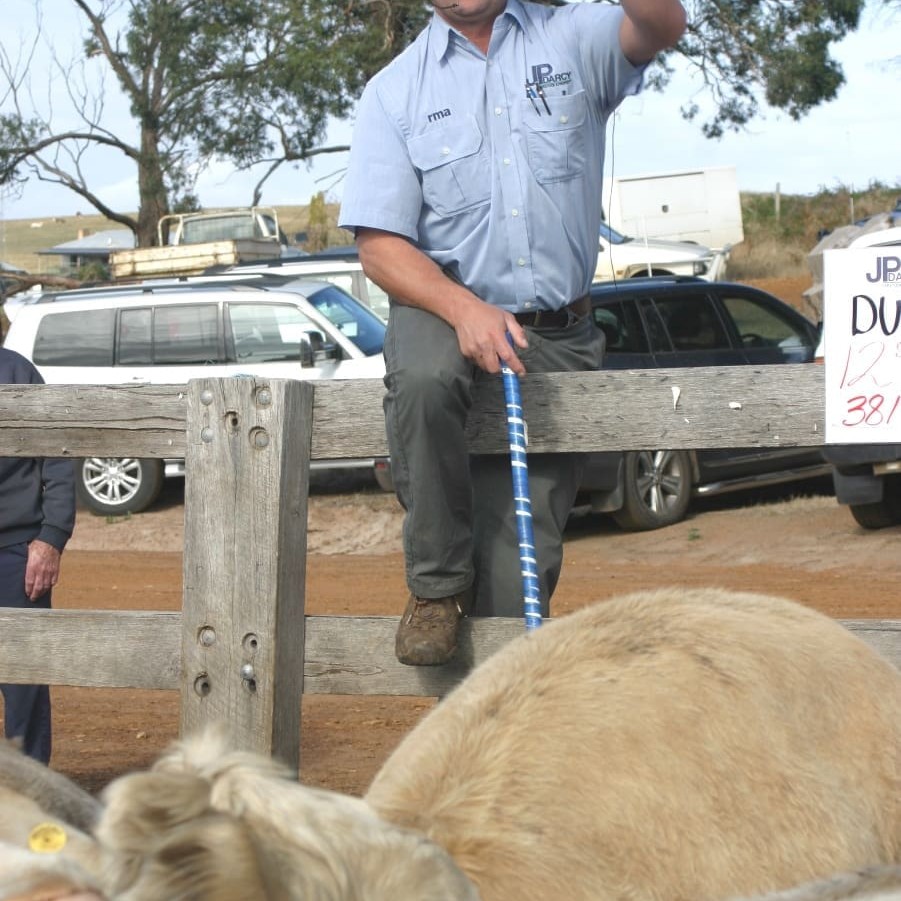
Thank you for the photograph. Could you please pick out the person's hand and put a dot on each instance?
(482, 335)
(41, 570)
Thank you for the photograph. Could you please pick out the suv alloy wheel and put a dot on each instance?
(656, 489)
(118, 485)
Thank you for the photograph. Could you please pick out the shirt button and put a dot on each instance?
(497, 111)
(528, 304)
(522, 262)
(445, 151)
(564, 119)
(514, 212)
(506, 161)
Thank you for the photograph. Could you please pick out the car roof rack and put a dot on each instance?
(638, 281)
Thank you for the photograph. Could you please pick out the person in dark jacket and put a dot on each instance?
(37, 515)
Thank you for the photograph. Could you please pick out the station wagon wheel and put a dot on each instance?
(118, 485)
(656, 489)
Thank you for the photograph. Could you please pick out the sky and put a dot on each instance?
(851, 141)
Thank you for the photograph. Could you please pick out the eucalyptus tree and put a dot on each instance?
(255, 83)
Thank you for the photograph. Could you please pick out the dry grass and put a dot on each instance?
(777, 246)
(22, 239)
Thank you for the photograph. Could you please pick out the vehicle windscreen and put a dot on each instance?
(356, 322)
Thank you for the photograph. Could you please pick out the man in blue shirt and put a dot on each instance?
(37, 516)
(474, 192)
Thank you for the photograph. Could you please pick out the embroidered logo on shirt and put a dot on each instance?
(439, 114)
(544, 75)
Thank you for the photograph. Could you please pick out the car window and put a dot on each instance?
(226, 228)
(135, 337)
(266, 333)
(83, 338)
(660, 342)
(759, 325)
(692, 323)
(355, 321)
(186, 334)
(622, 327)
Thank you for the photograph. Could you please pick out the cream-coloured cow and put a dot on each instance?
(696, 744)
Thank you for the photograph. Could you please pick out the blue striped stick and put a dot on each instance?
(516, 436)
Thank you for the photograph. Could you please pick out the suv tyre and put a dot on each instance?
(114, 486)
(884, 513)
(656, 489)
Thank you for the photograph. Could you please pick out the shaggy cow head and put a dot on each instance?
(206, 823)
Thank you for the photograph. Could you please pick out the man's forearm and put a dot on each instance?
(409, 276)
(412, 278)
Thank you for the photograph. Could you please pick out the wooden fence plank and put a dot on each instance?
(737, 406)
(344, 654)
(92, 648)
(245, 559)
(92, 420)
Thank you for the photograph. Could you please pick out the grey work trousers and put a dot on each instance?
(460, 525)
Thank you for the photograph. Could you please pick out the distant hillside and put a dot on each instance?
(773, 246)
(22, 240)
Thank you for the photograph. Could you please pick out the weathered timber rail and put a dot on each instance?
(242, 648)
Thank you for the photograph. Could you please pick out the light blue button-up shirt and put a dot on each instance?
(499, 183)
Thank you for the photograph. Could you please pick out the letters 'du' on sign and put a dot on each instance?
(862, 322)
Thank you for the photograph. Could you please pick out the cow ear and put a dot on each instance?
(141, 806)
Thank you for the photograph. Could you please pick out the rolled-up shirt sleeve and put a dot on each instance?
(605, 69)
(382, 188)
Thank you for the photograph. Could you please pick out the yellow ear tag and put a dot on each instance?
(47, 838)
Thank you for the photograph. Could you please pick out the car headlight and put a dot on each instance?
(699, 267)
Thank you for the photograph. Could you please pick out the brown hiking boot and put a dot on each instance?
(427, 633)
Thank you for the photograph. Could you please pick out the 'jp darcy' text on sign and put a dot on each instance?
(862, 321)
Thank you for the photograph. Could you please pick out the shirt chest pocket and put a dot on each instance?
(556, 140)
(453, 164)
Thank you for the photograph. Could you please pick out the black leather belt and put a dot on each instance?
(561, 318)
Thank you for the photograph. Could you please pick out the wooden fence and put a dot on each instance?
(242, 648)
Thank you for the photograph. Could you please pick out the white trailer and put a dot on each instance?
(702, 205)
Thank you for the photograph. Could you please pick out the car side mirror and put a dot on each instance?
(319, 349)
(306, 352)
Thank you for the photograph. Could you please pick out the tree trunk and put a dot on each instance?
(152, 200)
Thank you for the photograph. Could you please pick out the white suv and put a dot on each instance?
(341, 267)
(171, 332)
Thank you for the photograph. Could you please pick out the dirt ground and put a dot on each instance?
(796, 542)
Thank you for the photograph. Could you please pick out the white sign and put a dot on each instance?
(862, 322)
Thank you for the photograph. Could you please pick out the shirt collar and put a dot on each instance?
(442, 35)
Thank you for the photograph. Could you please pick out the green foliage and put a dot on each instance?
(15, 134)
(803, 217)
(746, 50)
(241, 80)
(93, 272)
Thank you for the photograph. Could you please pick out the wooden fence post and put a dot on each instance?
(247, 466)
